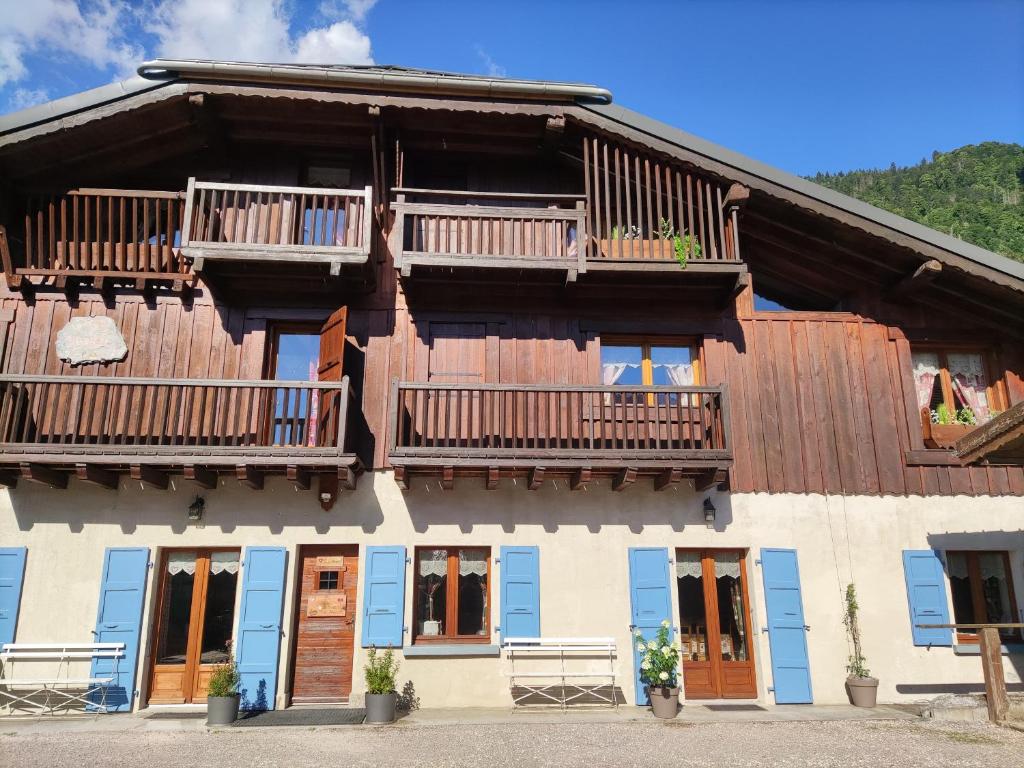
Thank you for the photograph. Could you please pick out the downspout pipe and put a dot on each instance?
(374, 78)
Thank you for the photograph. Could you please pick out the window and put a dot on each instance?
(641, 362)
(982, 591)
(452, 595)
(954, 383)
(294, 356)
(327, 580)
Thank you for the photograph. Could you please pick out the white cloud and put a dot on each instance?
(23, 98)
(252, 30)
(353, 10)
(90, 30)
(492, 67)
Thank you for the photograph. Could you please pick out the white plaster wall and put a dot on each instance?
(583, 538)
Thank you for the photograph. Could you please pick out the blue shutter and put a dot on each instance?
(119, 620)
(259, 625)
(650, 600)
(926, 594)
(787, 635)
(12, 571)
(520, 592)
(384, 597)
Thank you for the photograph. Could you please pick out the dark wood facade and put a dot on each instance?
(486, 240)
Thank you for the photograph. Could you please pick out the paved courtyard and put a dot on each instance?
(532, 742)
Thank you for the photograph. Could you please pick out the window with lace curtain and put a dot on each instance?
(643, 362)
(452, 595)
(955, 383)
(981, 584)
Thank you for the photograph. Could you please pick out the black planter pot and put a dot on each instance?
(380, 707)
(222, 710)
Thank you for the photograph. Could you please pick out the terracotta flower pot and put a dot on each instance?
(664, 701)
(863, 691)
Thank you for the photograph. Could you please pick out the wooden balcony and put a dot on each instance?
(100, 238)
(97, 428)
(546, 431)
(486, 231)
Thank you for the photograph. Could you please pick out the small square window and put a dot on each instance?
(327, 580)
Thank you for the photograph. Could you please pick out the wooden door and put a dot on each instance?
(714, 623)
(325, 624)
(458, 355)
(195, 622)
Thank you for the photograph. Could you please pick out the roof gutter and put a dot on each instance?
(449, 85)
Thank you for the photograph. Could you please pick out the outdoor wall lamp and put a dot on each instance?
(196, 508)
(709, 512)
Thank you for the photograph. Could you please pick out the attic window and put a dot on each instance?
(764, 304)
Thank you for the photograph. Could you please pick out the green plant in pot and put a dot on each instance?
(861, 686)
(659, 671)
(222, 693)
(381, 697)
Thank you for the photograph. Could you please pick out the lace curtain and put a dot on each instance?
(680, 374)
(612, 372)
(970, 380)
(434, 562)
(727, 564)
(926, 368)
(688, 564)
(220, 562)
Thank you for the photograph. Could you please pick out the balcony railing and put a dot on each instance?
(96, 233)
(646, 430)
(255, 222)
(488, 229)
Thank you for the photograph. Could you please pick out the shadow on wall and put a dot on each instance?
(229, 506)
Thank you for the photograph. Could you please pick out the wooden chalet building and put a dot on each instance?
(317, 358)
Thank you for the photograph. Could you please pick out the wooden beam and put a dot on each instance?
(327, 490)
(249, 475)
(667, 479)
(448, 478)
(401, 478)
(300, 476)
(992, 668)
(705, 480)
(90, 473)
(535, 479)
(492, 478)
(38, 473)
(737, 195)
(347, 478)
(151, 475)
(8, 479)
(580, 478)
(625, 478)
(201, 476)
(921, 276)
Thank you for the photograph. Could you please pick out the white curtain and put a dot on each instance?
(688, 564)
(969, 379)
(181, 561)
(926, 368)
(223, 561)
(612, 372)
(680, 374)
(473, 561)
(434, 562)
(727, 564)
(956, 566)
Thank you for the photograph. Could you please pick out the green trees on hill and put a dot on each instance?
(975, 193)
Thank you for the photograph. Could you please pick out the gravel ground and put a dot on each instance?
(732, 745)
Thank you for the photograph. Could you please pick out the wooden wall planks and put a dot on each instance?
(818, 403)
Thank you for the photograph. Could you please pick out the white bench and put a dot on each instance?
(50, 691)
(563, 684)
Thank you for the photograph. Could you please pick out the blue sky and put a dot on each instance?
(805, 86)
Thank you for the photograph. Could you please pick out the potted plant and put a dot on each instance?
(222, 693)
(659, 671)
(381, 698)
(861, 686)
(944, 426)
(681, 246)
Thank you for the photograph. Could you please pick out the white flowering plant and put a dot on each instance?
(659, 658)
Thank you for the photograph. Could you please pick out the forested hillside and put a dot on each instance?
(975, 193)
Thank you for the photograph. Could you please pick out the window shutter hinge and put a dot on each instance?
(771, 689)
(149, 564)
(757, 562)
(497, 629)
(408, 560)
(497, 560)
(764, 629)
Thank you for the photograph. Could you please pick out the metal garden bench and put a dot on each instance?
(563, 684)
(50, 691)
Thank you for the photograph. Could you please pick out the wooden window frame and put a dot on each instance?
(978, 597)
(451, 599)
(995, 391)
(695, 344)
(275, 330)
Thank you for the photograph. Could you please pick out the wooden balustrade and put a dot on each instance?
(98, 233)
(126, 416)
(488, 229)
(639, 204)
(255, 222)
(558, 421)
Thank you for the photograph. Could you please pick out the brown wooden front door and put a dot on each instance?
(325, 624)
(194, 622)
(714, 624)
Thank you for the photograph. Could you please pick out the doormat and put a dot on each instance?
(735, 708)
(301, 716)
(176, 716)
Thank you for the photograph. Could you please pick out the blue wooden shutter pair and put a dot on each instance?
(258, 640)
(926, 594)
(12, 571)
(520, 592)
(119, 620)
(650, 601)
(384, 597)
(787, 633)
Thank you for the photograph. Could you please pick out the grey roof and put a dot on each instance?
(162, 73)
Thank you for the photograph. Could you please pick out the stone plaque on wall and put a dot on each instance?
(90, 340)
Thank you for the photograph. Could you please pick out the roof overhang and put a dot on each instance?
(1001, 440)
